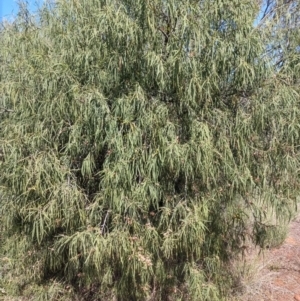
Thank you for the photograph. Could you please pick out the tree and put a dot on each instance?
(280, 20)
(143, 143)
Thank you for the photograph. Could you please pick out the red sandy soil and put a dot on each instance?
(277, 274)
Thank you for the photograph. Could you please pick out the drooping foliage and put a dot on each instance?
(143, 143)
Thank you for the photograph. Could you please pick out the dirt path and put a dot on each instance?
(277, 275)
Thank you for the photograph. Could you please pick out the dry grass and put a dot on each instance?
(273, 274)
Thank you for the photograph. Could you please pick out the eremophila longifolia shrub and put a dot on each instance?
(143, 143)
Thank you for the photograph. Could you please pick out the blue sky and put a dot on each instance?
(8, 8)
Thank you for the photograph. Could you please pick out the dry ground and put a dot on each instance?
(276, 273)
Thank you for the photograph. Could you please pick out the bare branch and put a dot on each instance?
(5, 110)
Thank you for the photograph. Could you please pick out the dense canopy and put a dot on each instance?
(144, 144)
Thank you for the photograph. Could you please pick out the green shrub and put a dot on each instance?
(142, 142)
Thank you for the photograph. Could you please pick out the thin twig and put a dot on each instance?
(4, 110)
(102, 227)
